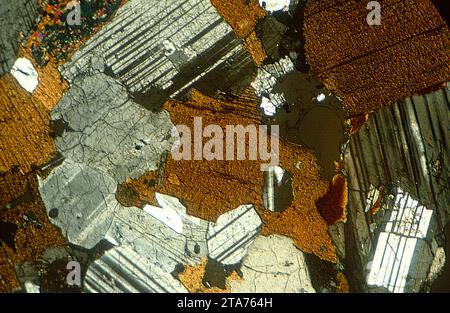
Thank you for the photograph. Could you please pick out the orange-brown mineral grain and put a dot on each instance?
(370, 66)
(211, 188)
(242, 16)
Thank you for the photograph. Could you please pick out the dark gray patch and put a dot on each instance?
(322, 273)
(292, 39)
(443, 7)
(179, 268)
(58, 127)
(15, 17)
(230, 268)
(54, 278)
(196, 248)
(153, 99)
(215, 274)
(53, 213)
(270, 32)
(322, 130)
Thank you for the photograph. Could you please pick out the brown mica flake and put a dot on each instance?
(372, 66)
(21, 205)
(209, 189)
(242, 16)
(192, 279)
(127, 196)
(25, 138)
(25, 128)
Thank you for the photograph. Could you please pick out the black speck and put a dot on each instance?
(53, 213)
(7, 233)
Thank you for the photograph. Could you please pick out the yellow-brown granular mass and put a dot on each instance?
(242, 16)
(24, 118)
(254, 46)
(371, 66)
(21, 205)
(192, 279)
(25, 128)
(342, 286)
(208, 188)
(211, 188)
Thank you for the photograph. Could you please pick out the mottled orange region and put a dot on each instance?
(242, 16)
(192, 279)
(211, 188)
(333, 205)
(302, 221)
(342, 286)
(25, 137)
(372, 66)
(208, 188)
(254, 46)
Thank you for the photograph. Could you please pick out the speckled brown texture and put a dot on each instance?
(25, 139)
(211, 188)
(19, 197)
(254, 46)
(371, 66)
(242, 16)
(25, 128)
